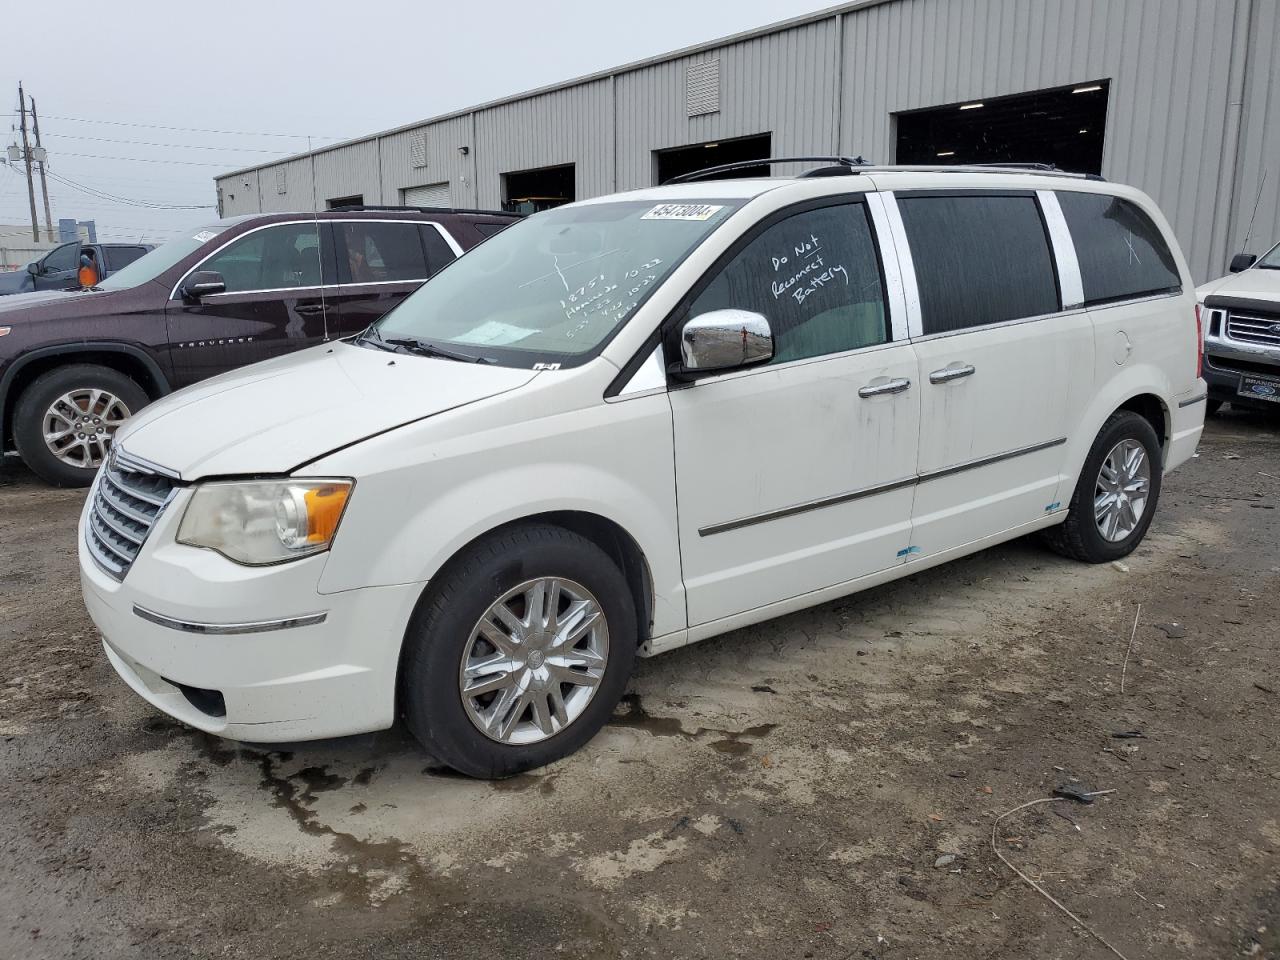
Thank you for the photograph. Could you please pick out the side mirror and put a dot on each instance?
(202, 283)
(723, 340)
(1242, 261)
(33, 268)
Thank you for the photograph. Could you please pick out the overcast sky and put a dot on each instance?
(153, 75)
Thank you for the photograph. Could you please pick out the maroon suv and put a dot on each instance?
(74, 365)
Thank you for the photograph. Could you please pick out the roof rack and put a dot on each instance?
(842, 164)
(393, 208)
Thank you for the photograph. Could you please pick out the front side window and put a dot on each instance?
(273, 258)
(1121, 252)
(554, 288)
(979, 259)
(815, 276)
(65, 257)
(380, 252)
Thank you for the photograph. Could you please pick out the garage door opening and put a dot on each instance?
(1063, 126)
(337, 203)
(528, 191)
(699, 156)
(430, 195)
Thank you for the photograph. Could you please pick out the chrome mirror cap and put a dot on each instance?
(724, 339)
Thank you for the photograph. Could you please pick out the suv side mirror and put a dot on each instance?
(1242, 261)
(202, 283)
(723, 340)
(33, 268)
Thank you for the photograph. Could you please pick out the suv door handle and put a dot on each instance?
(947, 374)
(881, 389)
(309, 309)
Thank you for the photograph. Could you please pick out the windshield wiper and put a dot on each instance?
(372, 337)
(424, 349)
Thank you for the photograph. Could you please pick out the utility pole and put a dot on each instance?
(26, 156)
(41, 156)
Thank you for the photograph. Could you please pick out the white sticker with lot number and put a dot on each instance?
(204, 236)
(683, 211)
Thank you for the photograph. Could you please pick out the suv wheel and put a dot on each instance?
(1116, 495)
(519, 653)
(64, 421)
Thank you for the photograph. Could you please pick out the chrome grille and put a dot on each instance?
(127, 499)
(1261, 330)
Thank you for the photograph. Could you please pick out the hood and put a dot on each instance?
(274, 416)
(1256, 283)
(44, 304)
(14, 281)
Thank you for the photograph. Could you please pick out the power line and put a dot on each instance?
(178, 163)
(160, 126)
(148, 143)
(128, 201)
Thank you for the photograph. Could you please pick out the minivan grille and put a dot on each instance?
(126, 503)
(1254, 329)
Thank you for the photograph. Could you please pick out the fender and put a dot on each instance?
(81, 346)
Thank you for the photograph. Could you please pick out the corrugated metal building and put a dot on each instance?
(1184, 97)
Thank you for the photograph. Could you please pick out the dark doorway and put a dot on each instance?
(528, 191)
(681, 160)
(1063, 126)
(338, 202)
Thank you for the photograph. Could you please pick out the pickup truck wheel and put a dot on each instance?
(64, 421)
(1116, 495)
(519, 653)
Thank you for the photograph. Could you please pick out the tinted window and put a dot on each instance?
(1120, 250)
(270, 259)
(65, 257)
(815, 276)
(380, 253)
(118, 257)
(438, 252)
(979, 259)
(489, 229)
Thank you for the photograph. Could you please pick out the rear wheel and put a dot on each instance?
(1116, 495)
(65, 420)
(519, 653)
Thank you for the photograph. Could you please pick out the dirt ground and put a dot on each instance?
(823, 785)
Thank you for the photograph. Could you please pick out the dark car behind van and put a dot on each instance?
(59, 269)
(75, 365)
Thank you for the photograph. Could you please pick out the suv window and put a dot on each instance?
(815, 276)
(1121, 252)
(380, 252)
(488, 228)
(273, 258)
(439, 253)
(979, 259)
(118, 257)
(65, 257)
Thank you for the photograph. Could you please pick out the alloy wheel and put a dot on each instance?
(534, 661)
(79, 425)
(1123, 486)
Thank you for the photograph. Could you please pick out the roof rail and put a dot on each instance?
(842, 162)
(391, 207)
(1040, 169)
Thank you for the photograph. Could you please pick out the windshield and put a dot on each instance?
(163, 257)
(554, 287)
(1271, 259)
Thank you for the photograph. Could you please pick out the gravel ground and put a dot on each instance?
(823, 785)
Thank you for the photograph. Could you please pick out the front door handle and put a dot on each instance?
(881, 389)
(309, 309)
(947, 374)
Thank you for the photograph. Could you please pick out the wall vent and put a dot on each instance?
(282, 182)
(418, 149)
(702, 88)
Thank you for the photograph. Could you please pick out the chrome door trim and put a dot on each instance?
(893, 274)
(889, 387)
(227, 629)
(872, 491)
(910, 289)
(1070, 284)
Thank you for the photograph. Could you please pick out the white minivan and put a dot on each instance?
(635, 422)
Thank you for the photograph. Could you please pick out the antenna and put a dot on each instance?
(315, 217)
(1248, 233)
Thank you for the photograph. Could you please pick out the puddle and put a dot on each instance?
(732, 742)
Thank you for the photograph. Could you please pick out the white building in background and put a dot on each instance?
(1178, 97)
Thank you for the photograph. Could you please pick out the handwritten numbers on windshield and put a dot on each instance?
(804, 271)
(600, 299)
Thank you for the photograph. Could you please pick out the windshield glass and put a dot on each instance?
(163, 257)
(554, 287)
(1271, 259)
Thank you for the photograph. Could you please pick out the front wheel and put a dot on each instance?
(1116, 495)
(519, 653)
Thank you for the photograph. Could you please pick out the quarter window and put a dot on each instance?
(1121, 252)
(273, 258)
(381, 252)
(439, 253)
(815, 276)
(979, 259)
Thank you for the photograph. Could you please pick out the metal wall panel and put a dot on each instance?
(445, 161)
(1257, 183)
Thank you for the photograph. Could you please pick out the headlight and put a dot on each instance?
(265, 521)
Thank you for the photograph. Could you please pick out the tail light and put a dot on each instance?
(1199, 344)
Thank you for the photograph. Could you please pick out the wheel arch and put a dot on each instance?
(132, 361)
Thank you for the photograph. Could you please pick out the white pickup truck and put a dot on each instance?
(1242, 333)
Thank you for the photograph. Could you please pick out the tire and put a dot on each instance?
(103, 399)
(1212, 406)
(1080, 536)
(446, 628)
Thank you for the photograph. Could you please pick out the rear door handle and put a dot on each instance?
(947, 374)
(881, 389)
(309, 309)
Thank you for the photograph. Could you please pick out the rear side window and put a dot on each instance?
(439, 253)
(118, 257)
(979, 259)
(1121, 252)
(381, 252)
(489, 228)
(816, 277)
